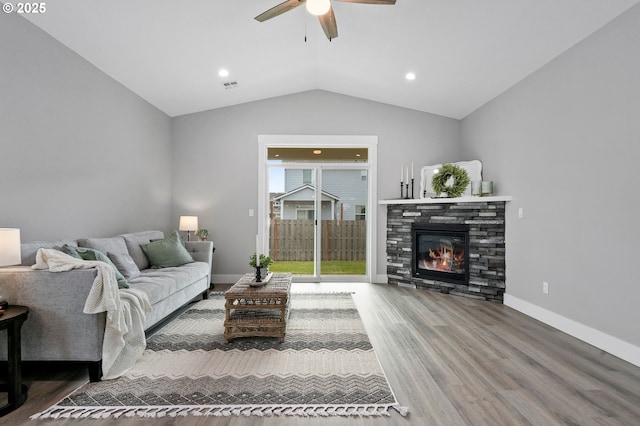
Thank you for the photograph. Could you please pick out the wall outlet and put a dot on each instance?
(520, 213)
(251, 212)
(545, 287)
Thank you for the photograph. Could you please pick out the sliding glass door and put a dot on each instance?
(317, 215)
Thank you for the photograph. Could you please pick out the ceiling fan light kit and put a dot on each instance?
(320, 8)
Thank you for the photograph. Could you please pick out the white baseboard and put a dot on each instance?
(606, 342)
(225, 278)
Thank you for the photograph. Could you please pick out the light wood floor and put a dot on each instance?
(451, 360)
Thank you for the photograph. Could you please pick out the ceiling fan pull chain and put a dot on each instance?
(305, 24)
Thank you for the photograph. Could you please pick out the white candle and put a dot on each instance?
(412, 170)
(407, 181)
(257, 251)
(400, 173)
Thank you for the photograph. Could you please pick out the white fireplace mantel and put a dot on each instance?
(494, 198)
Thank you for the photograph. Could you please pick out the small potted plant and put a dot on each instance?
(202, 234)
(265, 261)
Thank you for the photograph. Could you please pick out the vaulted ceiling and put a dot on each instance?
(463, 52)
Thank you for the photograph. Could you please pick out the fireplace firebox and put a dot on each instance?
(440, 252)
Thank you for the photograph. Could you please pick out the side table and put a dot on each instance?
(12, 321)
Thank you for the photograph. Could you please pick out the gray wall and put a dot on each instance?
(80, 155)
(216, 158)
(565, 143)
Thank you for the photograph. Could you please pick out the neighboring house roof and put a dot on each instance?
(304, 188)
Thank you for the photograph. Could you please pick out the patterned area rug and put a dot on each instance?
(325, 367)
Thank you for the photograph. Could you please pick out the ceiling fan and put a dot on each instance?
(320, 8)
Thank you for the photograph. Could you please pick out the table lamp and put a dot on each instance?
(188, 223)
(9, 247)
(9, 253)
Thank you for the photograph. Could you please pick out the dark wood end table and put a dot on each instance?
(12, 321)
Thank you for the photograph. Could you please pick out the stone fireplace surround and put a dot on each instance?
(485, 217)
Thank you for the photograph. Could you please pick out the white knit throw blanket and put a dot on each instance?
(124, 340)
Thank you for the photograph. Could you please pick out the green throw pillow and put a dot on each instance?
(91, 254)
(167, 253)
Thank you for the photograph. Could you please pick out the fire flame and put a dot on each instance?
(443, 259)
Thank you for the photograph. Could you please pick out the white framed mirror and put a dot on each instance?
(473, 168)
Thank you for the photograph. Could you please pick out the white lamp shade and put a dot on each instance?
(318, 7)
(188, 223)
(10, 247)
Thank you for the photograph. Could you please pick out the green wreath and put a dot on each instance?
(447, 171)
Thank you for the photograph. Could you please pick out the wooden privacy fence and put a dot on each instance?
(342, 240)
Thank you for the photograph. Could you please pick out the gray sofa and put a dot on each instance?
(58, 330)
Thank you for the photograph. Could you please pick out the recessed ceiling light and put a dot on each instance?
(317, 151)
(410, 76)
(223, 73)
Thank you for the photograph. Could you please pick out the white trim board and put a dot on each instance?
(606, 342)
(469, 199)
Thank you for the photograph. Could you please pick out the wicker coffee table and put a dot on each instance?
(257, 311)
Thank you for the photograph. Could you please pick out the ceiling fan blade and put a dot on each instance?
(390, 2)
(283, 7)
(329, 25)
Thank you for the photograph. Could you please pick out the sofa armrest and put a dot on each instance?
(56, 328)
(201, 251)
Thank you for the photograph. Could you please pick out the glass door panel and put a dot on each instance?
(343, 231)
(291, 220)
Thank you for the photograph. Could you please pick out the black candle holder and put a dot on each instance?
(412, 182)
(258, 277)
(406, 186)
(401, 185)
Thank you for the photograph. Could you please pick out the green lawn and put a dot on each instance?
(328, 268)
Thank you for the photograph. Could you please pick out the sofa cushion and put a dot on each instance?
(125, 264)
(134, 242)
(167, 252)
(105, 245)
(159, 284)
(29, 250)
(86, 253)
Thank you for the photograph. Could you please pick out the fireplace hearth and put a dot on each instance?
(440, 252)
